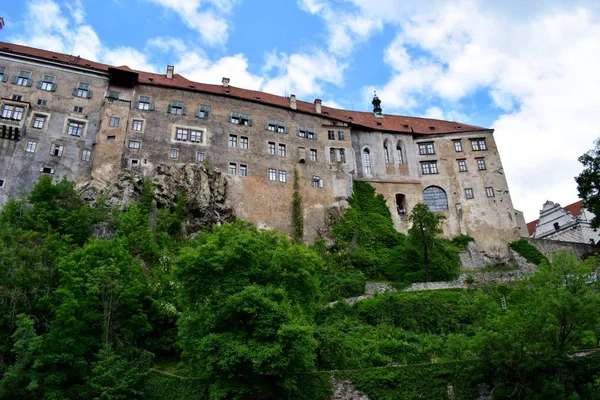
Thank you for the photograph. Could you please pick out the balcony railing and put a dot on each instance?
(10, 132)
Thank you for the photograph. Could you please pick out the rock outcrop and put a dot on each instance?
(204, 192)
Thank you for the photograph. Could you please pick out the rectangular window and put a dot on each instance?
(174, 154)
(489, 191)
(196, 136)
(47, 170)
(24, 79)
(42, 102)
(31, 146)
(429, 167)
(458, 146)
(232, 168)
(313, 155)
(239, 118)
(331, 135)
(181, 134)
(343, 156)
(469, 193)
(47, 83)
(282, 150)
(276, 126)
(243, 170)
(203, 111)
(12, 112)
(316, 181)
(114, 121)
(307, 132)
(341, 135)
(272, 174)
(111, 138)
(3, 76)
(113, 94)
(75, 128)
(78, 109)
(144, 103)
(426, 148)
(57, 150)
(480, 164)
(86, 155)
(233, 141)
(282, 176)
(137, 125)
(244, 142)
(272, 148)
(332, 155)
(176, 108)
(39, 121)
(199, 157)
(17, 97)
(134, 144)
(478, 144)
(462, 165)
(83, 90)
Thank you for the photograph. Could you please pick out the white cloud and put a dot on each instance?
(538, 63)
(207, 17)
(302, 73)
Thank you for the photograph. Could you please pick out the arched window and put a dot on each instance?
(367, 161)
(399, 152)
(435, 198)
(386, 154)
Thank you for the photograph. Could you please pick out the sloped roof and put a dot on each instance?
(574, 209)
(390, 123)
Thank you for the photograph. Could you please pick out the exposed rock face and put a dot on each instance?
(345, 390)
(204, 191)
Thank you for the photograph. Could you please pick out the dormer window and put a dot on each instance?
(23, 79)
(203, 111)
(144, 103)
(47, 83)
(176, 108)
(276, 126)
(82, 90)
(239, 118)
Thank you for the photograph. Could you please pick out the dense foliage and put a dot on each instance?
(529, 252)
(588, 181)
(241, 313)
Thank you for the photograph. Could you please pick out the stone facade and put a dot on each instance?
(136, 121)
(567, 224)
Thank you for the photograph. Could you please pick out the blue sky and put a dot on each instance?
(527, 69)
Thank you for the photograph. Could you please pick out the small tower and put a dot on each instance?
(377, 106)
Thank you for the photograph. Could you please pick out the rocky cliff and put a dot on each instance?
(204, 191)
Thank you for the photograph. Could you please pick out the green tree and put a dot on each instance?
(249, 297)
(423, 232)
(588, 182)
(526, 346)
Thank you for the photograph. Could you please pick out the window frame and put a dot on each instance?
(31, 146)
(272, 148)
(458, 145)
(84, 153)
(243, 170)
(478, 144)
(481, 165)
(232, 142)
(330, 135)
(229, 169)
(313, 155)
(282, 176)
(35, 122)
(282, 150)
(244, 142)
(272, 174)
(469, 195)
(489, 191)
(80, 128)
(426, 148)
(462, 165)
(137, 122)
(114, 122)
(134, 144)
(174, 154)
(429, 168)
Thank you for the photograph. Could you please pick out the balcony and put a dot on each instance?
(10, 132)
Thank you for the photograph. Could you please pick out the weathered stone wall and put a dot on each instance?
(345, 390)
(581, 250)
(21, 169)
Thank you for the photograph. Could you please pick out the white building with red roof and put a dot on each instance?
(566, 224)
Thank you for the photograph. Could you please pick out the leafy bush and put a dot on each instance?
(528, 251)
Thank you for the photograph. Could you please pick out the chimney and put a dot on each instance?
(293, 102)
(318, 106)
(225, 82)
(170, 70)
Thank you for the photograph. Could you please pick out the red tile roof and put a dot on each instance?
(574, 209)
(393, 123)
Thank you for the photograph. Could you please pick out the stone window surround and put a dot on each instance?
(16, 103)
(187, 142)
(65, 128)
(143, 125)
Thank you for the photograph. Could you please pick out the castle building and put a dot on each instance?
(69, 117)
(566, 224)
